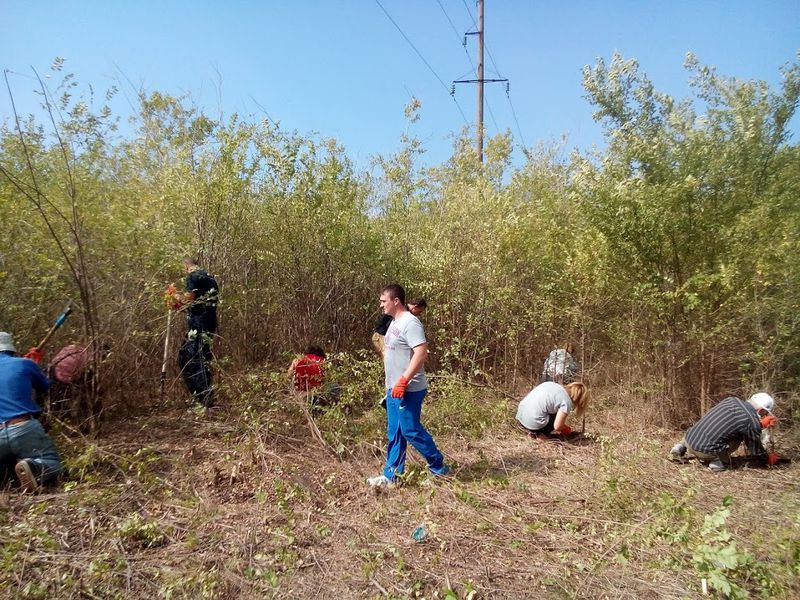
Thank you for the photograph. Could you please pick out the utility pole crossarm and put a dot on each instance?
(504, 80)
(479, 80)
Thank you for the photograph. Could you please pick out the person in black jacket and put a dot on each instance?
(194, 358)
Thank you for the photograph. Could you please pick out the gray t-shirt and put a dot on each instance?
(542, 401)
(405, 333)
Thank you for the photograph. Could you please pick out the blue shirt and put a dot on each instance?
(18, 378)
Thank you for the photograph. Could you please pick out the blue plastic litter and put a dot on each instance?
(420, 533)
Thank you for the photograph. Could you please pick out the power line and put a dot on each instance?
(469, 58)
(422, 58)
(519, 129)
(491, 58)
(497, 70)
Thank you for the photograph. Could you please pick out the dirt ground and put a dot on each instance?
(241, 504)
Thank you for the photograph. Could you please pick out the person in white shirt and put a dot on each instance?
(404, 355)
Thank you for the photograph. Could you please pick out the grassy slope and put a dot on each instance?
(249, 503)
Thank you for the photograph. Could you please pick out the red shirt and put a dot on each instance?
(309, 372)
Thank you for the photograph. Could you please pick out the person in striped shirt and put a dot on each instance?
(725, 427)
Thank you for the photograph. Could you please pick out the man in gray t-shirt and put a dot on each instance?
(405, 352)
(405, 338)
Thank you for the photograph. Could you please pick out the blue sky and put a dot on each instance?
(342, 69)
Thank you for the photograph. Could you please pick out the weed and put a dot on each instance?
(452, 407)
(202, 584)
(722, 564)
(468, 499)
(139, 531)
(673, 517)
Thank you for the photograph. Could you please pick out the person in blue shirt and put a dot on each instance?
(23, 441)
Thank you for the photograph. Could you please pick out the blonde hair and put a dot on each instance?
(579, 394)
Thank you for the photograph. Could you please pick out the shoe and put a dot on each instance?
(27, 480)
(444, 472)
(677, 452)
(717, 466)
(380, 481)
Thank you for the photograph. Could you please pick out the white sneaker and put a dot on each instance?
(678, 451)
(380, 481)
(717, 466)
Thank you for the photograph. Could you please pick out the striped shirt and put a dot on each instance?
(732, 420)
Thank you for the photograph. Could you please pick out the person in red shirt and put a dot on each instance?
(308, 370)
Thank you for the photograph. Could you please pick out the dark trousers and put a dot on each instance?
(546, 430)
(194, 357)
(194, 360)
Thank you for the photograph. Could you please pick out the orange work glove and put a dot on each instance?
(35, 355)
(171, 298)
(768, 421)
(565, 430)
(399, 388)
(772, 458)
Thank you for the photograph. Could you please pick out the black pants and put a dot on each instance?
(545, 430)
(194, 360)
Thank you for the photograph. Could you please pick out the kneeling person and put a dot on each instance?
(308, 376)
(722, 429)
(544, 410)
(22, 438)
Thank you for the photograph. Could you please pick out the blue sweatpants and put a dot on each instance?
(403, 426)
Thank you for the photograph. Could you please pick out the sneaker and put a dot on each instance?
(27, 480)
(380, 481)
(677, 452)
(717, 466)
(443, 472)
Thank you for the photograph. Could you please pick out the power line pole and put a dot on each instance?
(479, 123)
(480, 80)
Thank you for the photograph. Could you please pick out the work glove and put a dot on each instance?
(35, 355)
(171, 298)
(399, 388)
(768, 421)
(565, 430)
(772, 458)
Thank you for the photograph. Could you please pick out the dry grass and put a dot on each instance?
(247, 503)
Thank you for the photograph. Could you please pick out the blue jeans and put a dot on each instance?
(403, 426)
(29, 441)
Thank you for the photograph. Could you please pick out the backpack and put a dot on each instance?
(69, 364)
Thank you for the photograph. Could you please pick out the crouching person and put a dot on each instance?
(308, 377)
(544, 410)
(721, 431)
(23, 441)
